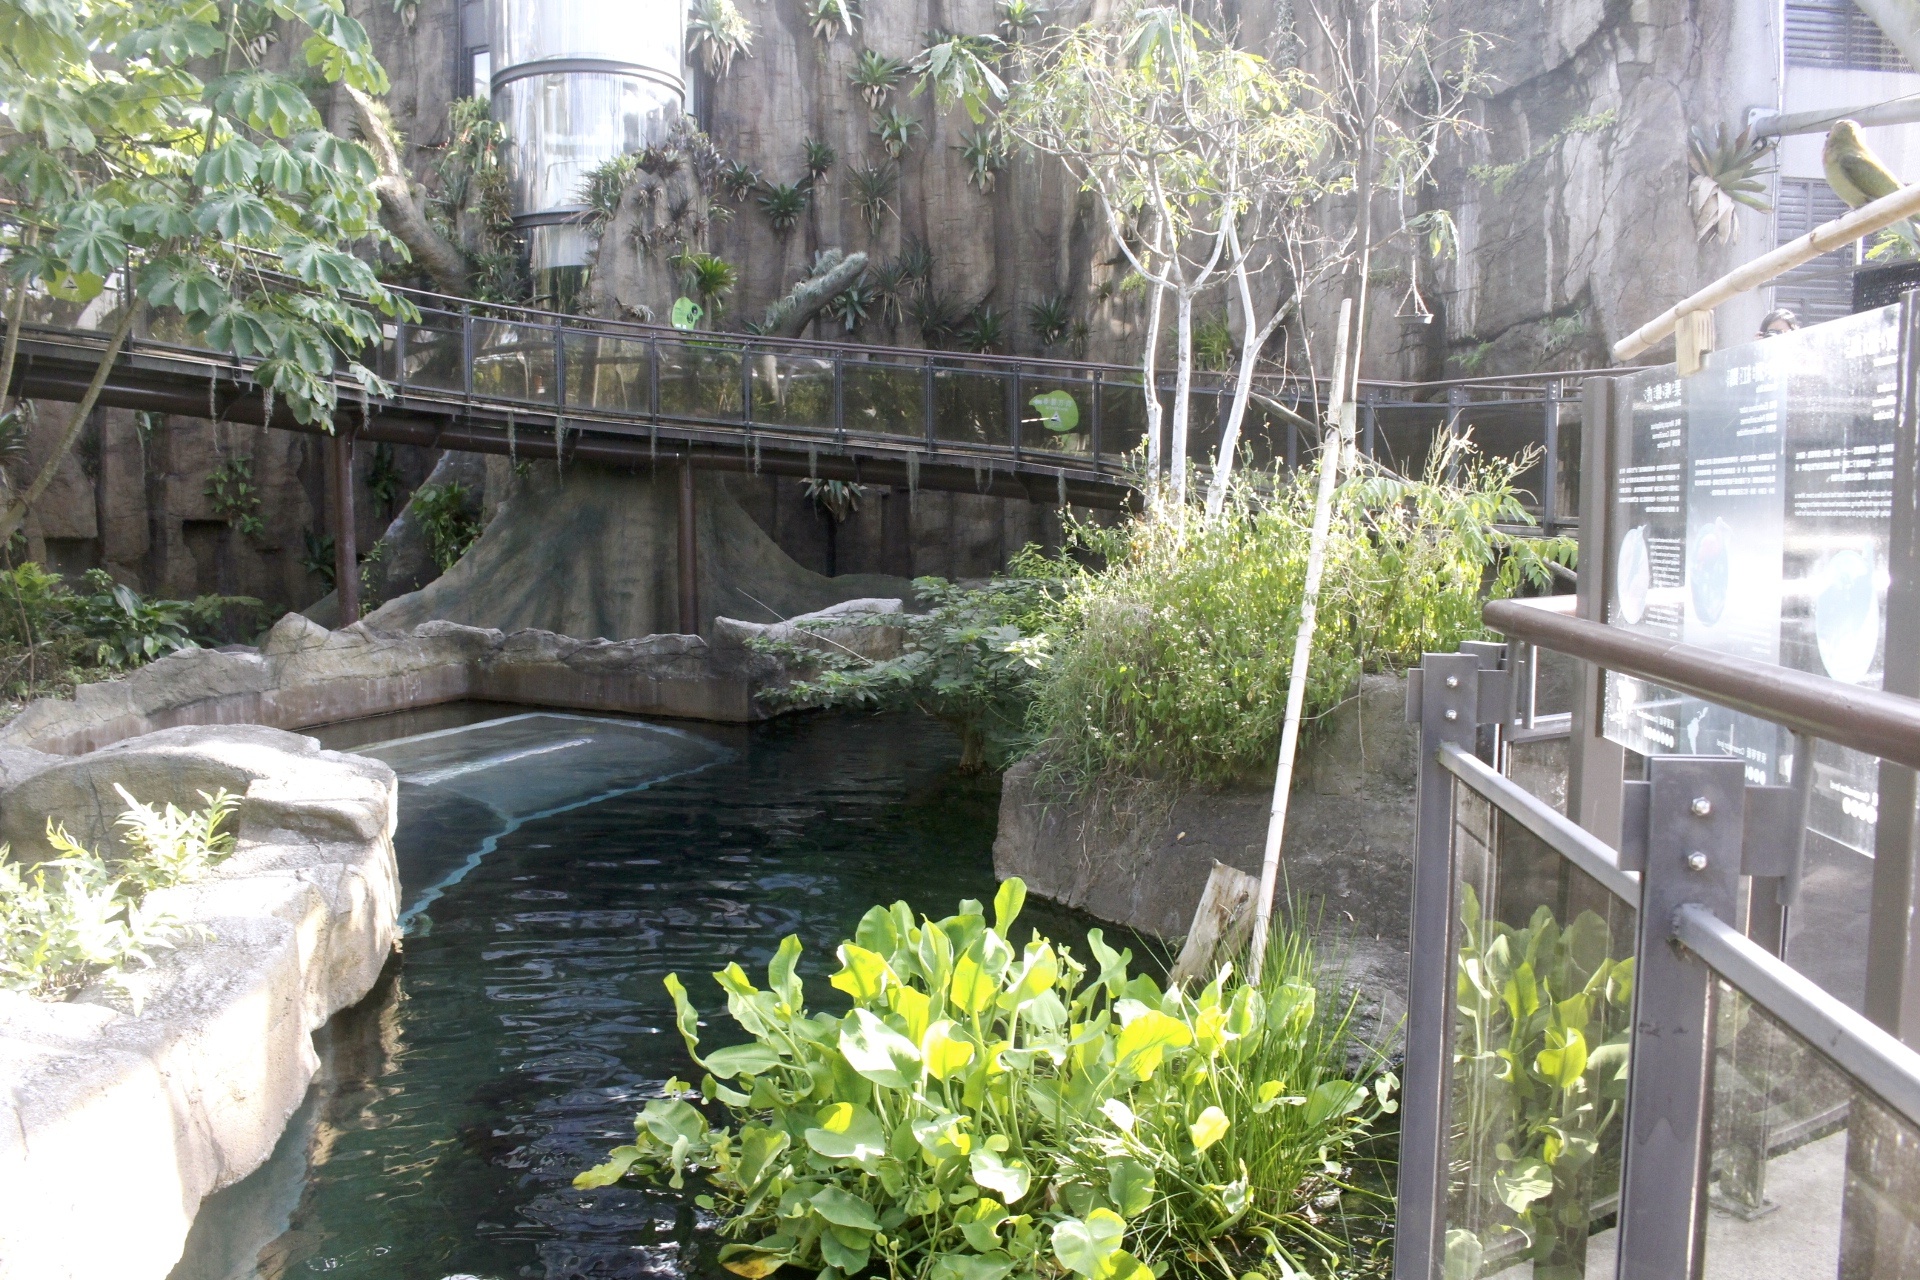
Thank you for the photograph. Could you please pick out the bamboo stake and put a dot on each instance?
(1825, 238)
(1330, 445)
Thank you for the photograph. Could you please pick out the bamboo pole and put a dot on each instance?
(1825, 238)
(1332, 437)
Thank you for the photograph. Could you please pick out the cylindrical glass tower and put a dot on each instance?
(577, 83)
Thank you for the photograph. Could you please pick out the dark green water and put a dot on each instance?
(565, 866)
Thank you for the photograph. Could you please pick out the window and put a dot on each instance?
(1821, 289)
(476, 58)
(1837, 35)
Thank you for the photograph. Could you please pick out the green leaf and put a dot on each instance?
(671, 1119)
(231, 163)
(1209, 1128)
(1144, 1040)
(1007, 901)
(1083, 1245)
(1130, 1187)
(878, 1052)
(1564, 1061)
(961, 1266)
(864, 975)
(783, 976)
(619, 1160)
(944, 1053)
(684, 1016)
(844, 1209)
(1521, 1185)
(759, 1147)
(741, 1059)
(991, 1171)
(1332, 1099)
(848, 1131)
(972, 989)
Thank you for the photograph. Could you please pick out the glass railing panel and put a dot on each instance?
(514, 361)
(1056, 415)
(700, 380)
(434, 353)
(1544, 983)
(607, 372)
(883, 398)
(970, 407)
(1811, 1176)
(792, 389)
(1123, 419)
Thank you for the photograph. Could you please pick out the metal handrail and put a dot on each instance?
(1565, 837)
(1871, 1056)
(1870, 720)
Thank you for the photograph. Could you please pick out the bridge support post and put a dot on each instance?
(689, 556)
(346, 556)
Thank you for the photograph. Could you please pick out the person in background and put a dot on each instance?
(1777, 322)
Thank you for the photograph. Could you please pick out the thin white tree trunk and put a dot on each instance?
(1182, 385)
(1150, 369)
(1330, 449)
(1251, 342)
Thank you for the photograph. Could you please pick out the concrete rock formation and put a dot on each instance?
(188, 1093)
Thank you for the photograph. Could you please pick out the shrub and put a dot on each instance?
(969, 662)
(446, 517)
(78, 917)
(984, 1111)
(1173, 660)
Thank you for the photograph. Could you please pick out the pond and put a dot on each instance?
(555, 867)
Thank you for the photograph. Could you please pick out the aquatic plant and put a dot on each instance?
(895, 129)
(784, 203)
(988, 1109)
(873, 185)
(875, 75)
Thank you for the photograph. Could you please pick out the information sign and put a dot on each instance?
(1750, 512)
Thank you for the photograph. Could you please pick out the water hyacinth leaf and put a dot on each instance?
(944, 1054)
(1143, 1042)
(1522, 1185)
(618, 1161)
(980, 1223)
(741, 1059)
(915, 1007)
(750, 1261)
(972, 990)
(684, 1015)
(845, 1250)
(848, 1131)
(671, 1120)
(1083, 1245)
(1333, 1098)
(1124, 1266)
(1038, 971)
(864, 975)
(1564, 1061)
(783, 976)
(878, 931)
(878, 1052)
(843, 1209)
(961, 1266)
(760, 1146)
(1012, 896)
(1130, 1187)
(1118, 1112)
(993, 1172)
(1210, 1128)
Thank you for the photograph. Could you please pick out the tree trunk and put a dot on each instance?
(16, 510)
(1182, 386)
(442, 258)
(1251, 342)
(1150, 372)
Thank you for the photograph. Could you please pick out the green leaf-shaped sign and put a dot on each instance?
(1058, 411)
(686, 314)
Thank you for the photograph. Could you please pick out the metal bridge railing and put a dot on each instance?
(1607, 1073)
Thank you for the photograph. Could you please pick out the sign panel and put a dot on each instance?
(1751, 511)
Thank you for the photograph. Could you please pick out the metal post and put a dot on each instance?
(839, 394)
(746, 383)
(1550, 488)
(1446, 696)
(1893, 956)
(1594, 765)
(346, 556)
(1013, 412)
(689, 554)
(466, 353)
(1367, 406)
(653, 378)
(400, 328)
(559, 365)
(1456, 397)
(1094, 442)
(1695, 817)
(926, 400)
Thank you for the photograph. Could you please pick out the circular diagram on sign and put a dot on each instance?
(1710, 572)
(1846, 615)
(1633, 571)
